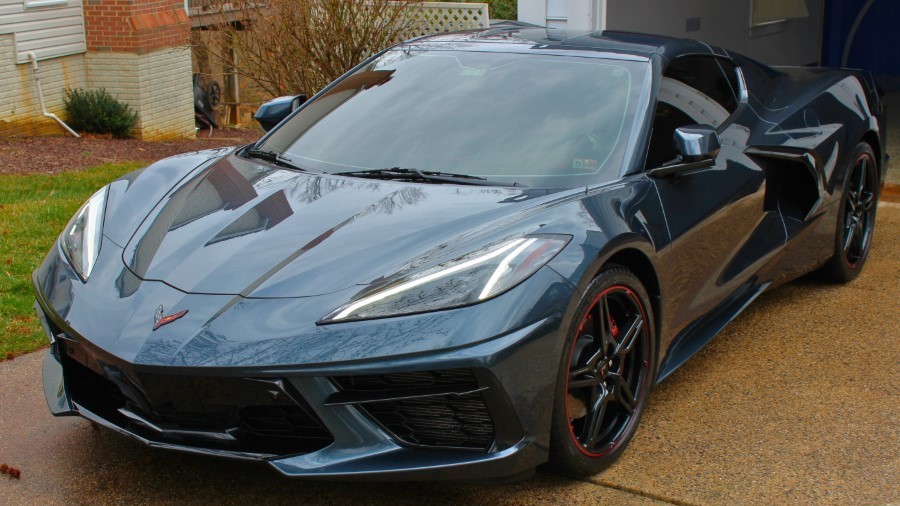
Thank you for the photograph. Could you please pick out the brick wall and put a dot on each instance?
(107, 26)
(167, 98)
(157, 85)
(116, 73)
(135, 25)
(20, 110)
(137, 50)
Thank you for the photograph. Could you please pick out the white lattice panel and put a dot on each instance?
(436, 17)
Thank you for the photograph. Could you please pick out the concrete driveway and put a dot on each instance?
(795, 402)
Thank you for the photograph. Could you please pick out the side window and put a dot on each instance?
(694, 90)
(731, 74)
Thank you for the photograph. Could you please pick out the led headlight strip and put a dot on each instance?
(518, 244)
(503, 268)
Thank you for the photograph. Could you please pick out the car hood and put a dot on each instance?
(242, 227)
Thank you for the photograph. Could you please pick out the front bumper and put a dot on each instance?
(514, 380)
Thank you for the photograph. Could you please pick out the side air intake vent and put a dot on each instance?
(792, 186)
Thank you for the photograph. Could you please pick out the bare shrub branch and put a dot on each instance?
(299, 46)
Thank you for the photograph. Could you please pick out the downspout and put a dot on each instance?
(599, 23)
(37, 81)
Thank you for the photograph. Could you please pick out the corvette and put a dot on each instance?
(473, 254)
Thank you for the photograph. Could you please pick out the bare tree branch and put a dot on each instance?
(299, 46)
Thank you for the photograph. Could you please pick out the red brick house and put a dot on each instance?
(135, 49)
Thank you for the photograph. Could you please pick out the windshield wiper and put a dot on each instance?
(424, 175)
(273, 158)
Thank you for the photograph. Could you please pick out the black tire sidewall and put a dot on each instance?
(565, 457)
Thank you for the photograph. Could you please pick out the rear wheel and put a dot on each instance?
(607, 371)
(856, 218)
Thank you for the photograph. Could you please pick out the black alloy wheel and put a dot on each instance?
(608, 370)
(856, 217)
(215, 94)
(859, 214)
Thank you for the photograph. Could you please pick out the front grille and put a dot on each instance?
(258, 420)
(449, 420)
(279, 421)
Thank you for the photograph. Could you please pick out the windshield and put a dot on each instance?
(533, 120)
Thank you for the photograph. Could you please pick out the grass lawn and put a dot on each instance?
(33, 211)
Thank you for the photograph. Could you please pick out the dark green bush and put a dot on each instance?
(500, 9)
(96, 111)
(504, 9)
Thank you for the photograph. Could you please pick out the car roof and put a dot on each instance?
(513, 38)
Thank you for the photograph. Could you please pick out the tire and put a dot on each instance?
(578, 447)
(855, 219)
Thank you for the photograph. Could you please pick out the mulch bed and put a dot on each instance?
(29, 155)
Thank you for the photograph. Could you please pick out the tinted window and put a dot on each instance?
(539, 121)
(705, 74)
(760, 79)
(695, 90)
(731, 73)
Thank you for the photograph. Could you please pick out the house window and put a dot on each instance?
(764, 12)
(45, 3)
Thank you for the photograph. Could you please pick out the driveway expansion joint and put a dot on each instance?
(634, 491)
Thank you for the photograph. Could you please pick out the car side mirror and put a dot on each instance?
(697, 147)
(274, 111)
(694, 143)
(297, 101)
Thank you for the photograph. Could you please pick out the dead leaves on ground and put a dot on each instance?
(12, 472)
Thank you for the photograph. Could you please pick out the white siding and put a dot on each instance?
(49, 31)
(726, 24)
(721, 23)
(20, 110)
(564, 14)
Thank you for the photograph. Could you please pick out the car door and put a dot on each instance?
(720, 231)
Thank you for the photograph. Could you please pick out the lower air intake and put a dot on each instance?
(186, 409)
(457, 420)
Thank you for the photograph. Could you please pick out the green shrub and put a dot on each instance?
(501, 9)
(96, 111)
(505, 9)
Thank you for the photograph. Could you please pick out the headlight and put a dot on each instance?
(465, 280)
(80, 240)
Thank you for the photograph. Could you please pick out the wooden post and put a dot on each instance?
(232, 85)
